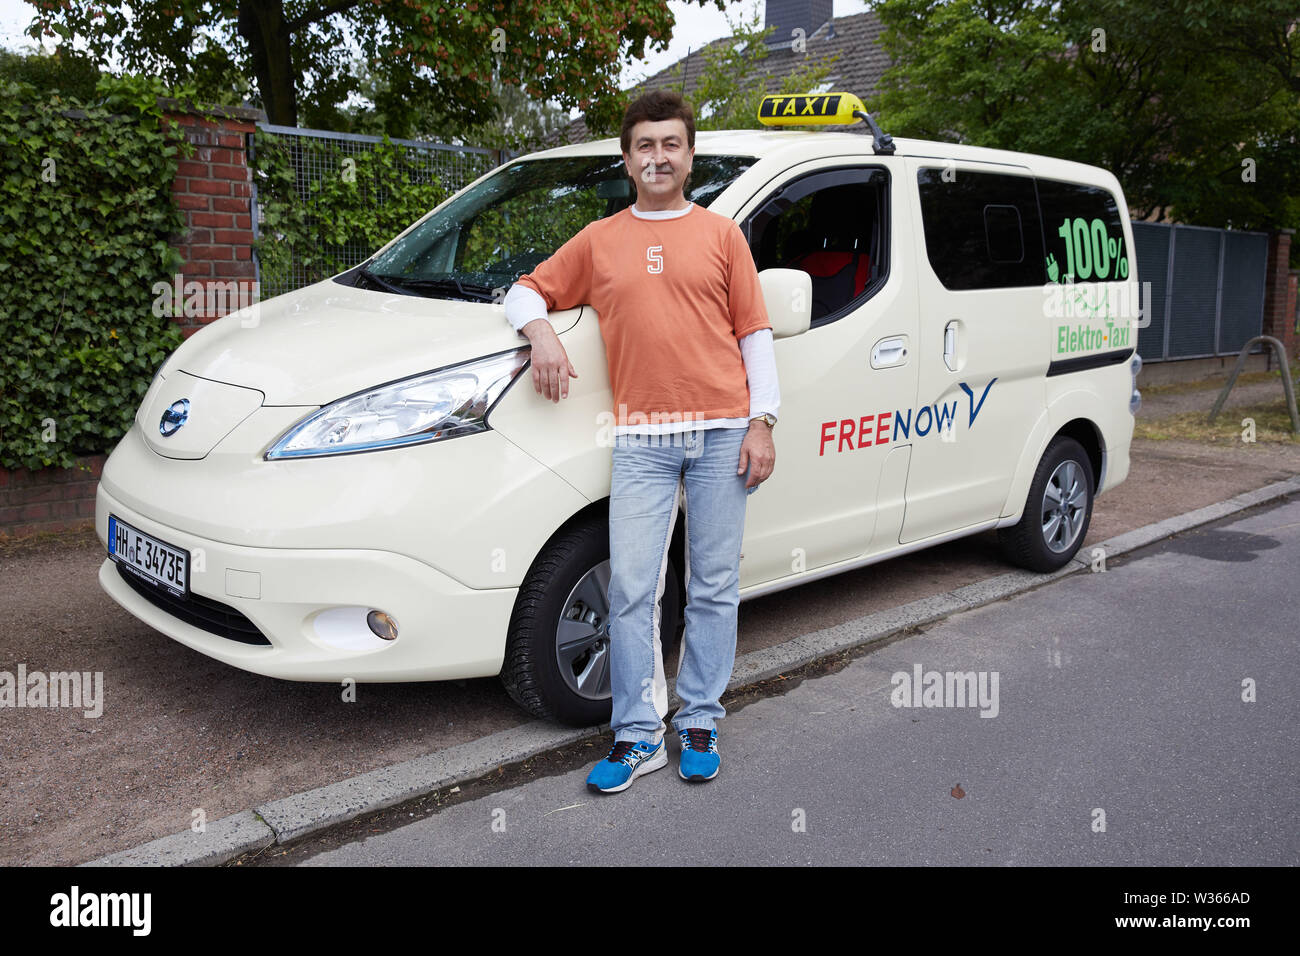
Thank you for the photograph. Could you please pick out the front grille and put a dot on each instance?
(197, 610)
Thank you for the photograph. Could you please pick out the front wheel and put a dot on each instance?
(557, 653)
(1057, 511)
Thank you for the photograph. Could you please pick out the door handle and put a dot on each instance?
(889, 352)
(950, 346)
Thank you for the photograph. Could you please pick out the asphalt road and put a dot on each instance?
(1121, 737)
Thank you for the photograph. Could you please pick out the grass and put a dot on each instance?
(1272, 425)
(1176, 388)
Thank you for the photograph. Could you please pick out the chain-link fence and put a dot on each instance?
(1207, 289)
(301, 220)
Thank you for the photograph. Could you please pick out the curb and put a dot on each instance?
(287, 819)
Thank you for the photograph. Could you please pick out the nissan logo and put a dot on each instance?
(175, 416)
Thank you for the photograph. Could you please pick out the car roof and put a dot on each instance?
(806, 143)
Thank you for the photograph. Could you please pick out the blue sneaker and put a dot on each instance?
(700, 760)
(626, 762)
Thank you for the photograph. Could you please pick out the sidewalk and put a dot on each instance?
(181, 733)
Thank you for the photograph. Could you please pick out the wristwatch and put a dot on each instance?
(765, 417)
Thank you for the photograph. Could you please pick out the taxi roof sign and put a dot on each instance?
(821, 109)
(809, 109)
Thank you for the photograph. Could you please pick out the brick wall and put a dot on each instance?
(52, 499)
(213, 190)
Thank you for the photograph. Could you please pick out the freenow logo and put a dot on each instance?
(880, 428)
(946, 689)
(102, 909)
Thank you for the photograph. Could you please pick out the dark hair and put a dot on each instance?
(655, 106)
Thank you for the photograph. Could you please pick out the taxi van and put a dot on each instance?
(357, 480)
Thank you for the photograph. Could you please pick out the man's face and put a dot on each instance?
(660, 159)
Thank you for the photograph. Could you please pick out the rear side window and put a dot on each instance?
(982, 230)
(1084, 233)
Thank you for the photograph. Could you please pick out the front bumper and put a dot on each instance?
(446, 629)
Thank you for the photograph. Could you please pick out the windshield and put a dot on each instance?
(515, 219)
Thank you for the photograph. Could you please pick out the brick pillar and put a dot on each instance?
(214, 191)
(1279, 293)
(1293, 300)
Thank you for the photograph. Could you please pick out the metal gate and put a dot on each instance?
(1207, 289)
(451, 166)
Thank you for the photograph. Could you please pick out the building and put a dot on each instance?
(851, 45)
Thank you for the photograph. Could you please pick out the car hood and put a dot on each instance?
(328, 340)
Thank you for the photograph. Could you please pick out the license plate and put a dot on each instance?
(156, 561)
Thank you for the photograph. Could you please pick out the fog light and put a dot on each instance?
(383, 625)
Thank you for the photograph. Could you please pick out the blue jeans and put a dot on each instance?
(647, 473)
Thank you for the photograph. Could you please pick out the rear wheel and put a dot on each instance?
(557, 653)
(1057, 511)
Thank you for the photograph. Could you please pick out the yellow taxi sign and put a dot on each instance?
(809, 109)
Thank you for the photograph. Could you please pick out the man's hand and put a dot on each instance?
(757, 453)
(551, 366)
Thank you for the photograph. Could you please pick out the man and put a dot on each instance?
(693, 372)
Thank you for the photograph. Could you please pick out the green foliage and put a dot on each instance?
(517, 122)
(86, 215)
(435, 57)
(64, 71)
(534, 219)
(731, 85)
(1171, 97)
(318, 199)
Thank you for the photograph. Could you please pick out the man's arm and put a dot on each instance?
(561, 282)
(524, 305)
(744, 291)
(759, 355)
(753, 332)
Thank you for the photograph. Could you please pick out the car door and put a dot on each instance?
(982, 353)
(840, 220)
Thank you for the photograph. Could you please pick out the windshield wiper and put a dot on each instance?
(470, 292)
(381, 282)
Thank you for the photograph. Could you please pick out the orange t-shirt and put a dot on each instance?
(673, 296)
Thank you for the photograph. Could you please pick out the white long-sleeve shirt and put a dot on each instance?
(523, 305)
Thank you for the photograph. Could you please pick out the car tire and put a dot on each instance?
(557, 676)
(1057, 510)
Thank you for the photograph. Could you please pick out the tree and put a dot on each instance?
(517, 123)
(432, 55)
(62, 72)
(733, 81)
(1172, 97)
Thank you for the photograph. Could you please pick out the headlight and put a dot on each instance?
(428, 407)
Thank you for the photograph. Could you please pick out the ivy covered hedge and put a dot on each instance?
(86, 213)
(326, 208)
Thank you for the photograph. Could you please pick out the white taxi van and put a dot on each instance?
(358, 480)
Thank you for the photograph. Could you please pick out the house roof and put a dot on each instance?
(857, 69)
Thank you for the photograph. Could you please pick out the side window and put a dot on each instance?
(1084, 233)
(982, 230)
(832, 225)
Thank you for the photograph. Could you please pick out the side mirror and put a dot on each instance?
(787, 293)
